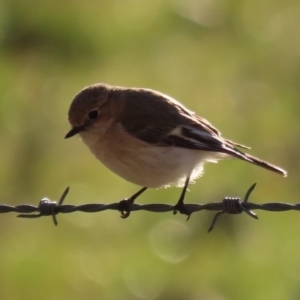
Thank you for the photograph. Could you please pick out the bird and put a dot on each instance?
(150, 139)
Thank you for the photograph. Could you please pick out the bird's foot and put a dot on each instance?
(181, 207)
(124, 205)
(124, 208)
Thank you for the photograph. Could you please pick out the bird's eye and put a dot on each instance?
(93, 114)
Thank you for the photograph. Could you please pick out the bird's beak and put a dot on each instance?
(73, 131)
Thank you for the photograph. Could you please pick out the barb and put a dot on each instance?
(47, 208)
(228, 205)
(234, 206)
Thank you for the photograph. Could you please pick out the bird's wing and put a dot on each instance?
(160, 120)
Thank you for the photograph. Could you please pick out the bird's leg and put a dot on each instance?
(133, 197)
(124, 204)
(180, 204)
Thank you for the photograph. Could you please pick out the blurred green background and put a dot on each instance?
(236, 63)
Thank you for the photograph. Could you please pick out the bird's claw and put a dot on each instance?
(124, 208)
(181, 207)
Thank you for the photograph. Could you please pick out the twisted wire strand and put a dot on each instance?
(228, 205)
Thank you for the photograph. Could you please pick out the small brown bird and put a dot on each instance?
(148, 138)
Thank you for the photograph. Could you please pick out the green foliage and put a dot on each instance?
(235, 63)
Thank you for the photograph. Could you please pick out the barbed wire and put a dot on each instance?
(229, 205)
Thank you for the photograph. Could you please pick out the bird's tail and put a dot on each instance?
(258, 162)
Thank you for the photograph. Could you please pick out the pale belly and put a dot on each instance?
(154, 166)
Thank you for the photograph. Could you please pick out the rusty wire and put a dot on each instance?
(229, 205)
